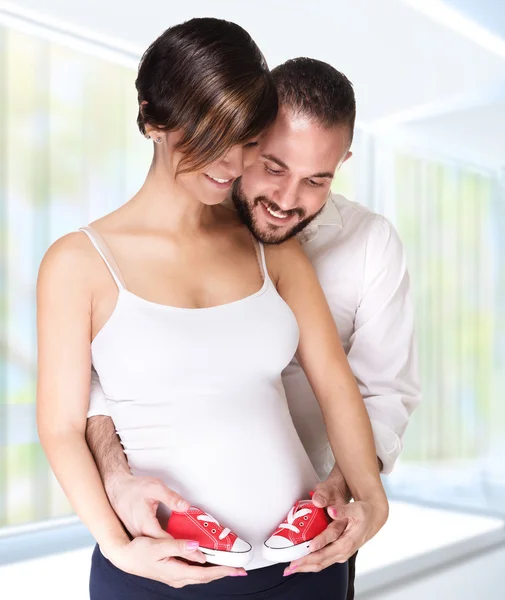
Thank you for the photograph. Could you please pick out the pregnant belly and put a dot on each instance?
(246, 474)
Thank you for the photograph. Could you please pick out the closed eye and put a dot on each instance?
(272, 171)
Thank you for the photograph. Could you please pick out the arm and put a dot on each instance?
(134, 499)
(382, 353)
(102, 438)
(323, 359)
(64, 312)
(64, 333)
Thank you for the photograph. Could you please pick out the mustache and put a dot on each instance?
(276, 208)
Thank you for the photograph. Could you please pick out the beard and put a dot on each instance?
(269, 234)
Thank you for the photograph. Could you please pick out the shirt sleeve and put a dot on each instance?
(97, 398)
(382, 351)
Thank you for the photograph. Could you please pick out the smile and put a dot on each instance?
(220, 183)
(220, 180)
(277, 215)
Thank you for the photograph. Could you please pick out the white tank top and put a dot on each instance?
(197, 399)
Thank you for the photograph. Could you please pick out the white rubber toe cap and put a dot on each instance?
(241, 546)
(277, 542)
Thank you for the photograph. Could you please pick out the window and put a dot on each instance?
(448, 216)
(69, 152)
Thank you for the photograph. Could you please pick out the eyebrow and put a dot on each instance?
(278, 161)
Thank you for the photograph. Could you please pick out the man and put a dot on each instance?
(361, 266)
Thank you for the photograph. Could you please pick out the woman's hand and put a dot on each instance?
(353, 525)
(155, 559)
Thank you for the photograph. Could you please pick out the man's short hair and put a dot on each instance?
(316, 89)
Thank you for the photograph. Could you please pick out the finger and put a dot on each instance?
(329, 535)
(194, 557)
(150, 526)
(329, 492)
(322, 494)
(172, 499)
(311, 559)
(208, 574)
(214, 573)
(346, 545)
(316, 561)
(352, 511)
(340, 512)
(313, 562)
(185, 548)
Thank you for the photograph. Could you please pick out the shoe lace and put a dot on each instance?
(210, 519)
(293, 516)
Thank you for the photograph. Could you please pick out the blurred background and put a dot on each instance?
(429, 153)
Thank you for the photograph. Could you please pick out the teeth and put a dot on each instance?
(220, 180)
(275, 214)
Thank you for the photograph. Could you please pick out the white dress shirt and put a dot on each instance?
(360, 262)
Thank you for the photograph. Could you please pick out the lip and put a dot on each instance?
(220, 186)
(272, 219)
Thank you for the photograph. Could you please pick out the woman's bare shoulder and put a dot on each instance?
(281, 257)
(71, 259)
(291, 247)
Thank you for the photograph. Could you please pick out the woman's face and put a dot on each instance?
(211, 185)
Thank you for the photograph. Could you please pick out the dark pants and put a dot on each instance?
(352, 575)
(107, 582)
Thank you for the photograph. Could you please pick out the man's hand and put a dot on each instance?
(333, 491)
(135, 500)
(353, 524)
(330, 493)
(154, 559)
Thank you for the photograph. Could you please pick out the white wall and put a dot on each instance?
(396, 56)
(481, 578)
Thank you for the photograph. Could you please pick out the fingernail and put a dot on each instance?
(192, 545)
(333, 512)
(182, 504)
(239, 574)
(288, 572)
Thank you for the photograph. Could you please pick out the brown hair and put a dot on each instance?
(316, 89)
(207, 77)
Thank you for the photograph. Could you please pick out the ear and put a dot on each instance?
(347, 157)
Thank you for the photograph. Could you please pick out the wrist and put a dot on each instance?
(115, 481)
(337, 480)
(380, 507)
(113, 544)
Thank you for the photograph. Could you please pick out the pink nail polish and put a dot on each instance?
(288, 572)
(192, 545)
(238, 574)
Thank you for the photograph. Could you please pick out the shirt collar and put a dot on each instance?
(330, 215)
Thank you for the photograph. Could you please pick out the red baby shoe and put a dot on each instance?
(291, 539)
(219, 544)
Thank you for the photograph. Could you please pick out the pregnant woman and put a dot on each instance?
(189, 323)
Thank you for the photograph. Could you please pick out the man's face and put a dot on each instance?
(288, 185)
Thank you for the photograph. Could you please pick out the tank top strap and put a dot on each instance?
(263, 261)
(103, 250)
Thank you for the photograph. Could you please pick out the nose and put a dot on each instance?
(286, 196)
(233, 161)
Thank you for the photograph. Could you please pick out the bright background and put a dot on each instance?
(429, 154)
